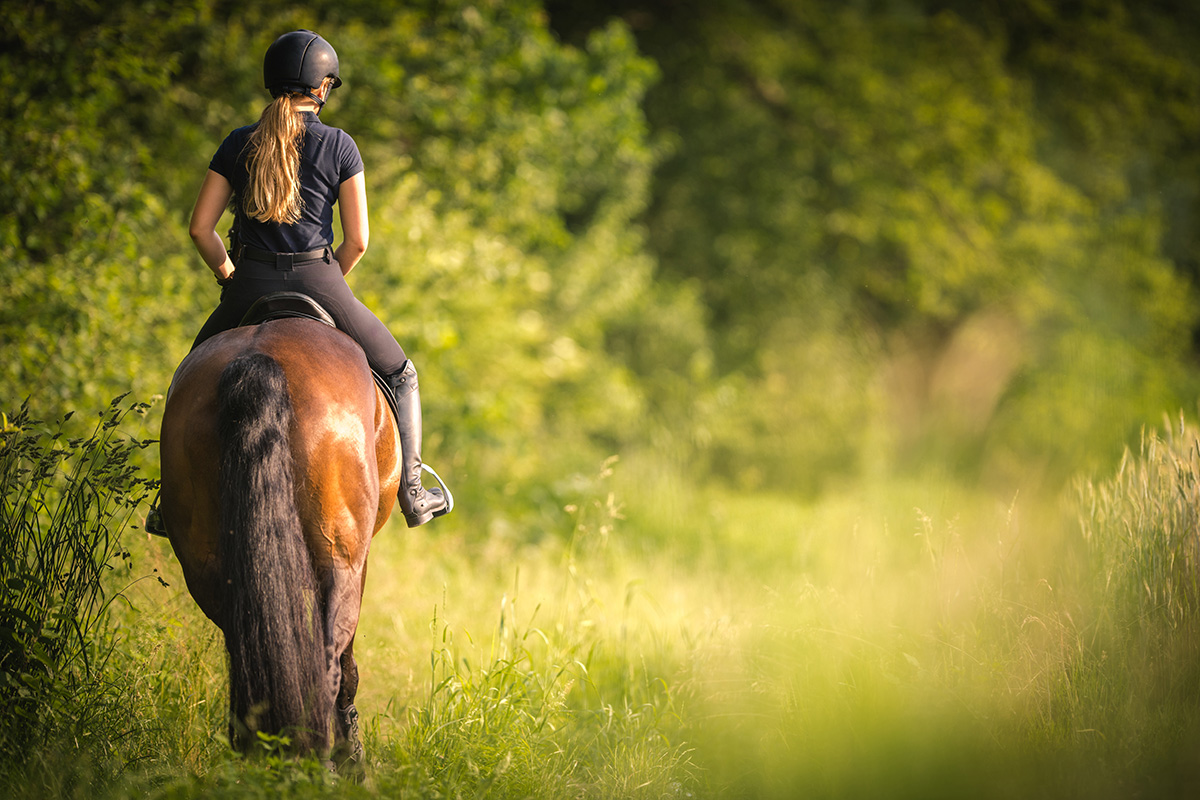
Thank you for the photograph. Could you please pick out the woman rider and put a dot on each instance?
(285, 174)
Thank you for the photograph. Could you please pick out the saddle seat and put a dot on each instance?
(279, 305)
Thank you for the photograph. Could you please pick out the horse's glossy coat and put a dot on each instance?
(344, 472)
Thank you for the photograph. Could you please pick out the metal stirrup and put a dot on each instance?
(445, 490)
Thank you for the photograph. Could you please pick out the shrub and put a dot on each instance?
(65, 503)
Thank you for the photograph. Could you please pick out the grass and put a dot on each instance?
(906, 638)
(66, 501)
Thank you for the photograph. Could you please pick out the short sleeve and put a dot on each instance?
(225, 161)
(350, 162)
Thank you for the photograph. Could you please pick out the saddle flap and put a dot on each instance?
(278, 305)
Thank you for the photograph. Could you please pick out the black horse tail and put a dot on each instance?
(273, 623)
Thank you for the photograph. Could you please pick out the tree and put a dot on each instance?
(869, 198)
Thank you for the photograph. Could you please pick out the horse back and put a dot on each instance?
(343, 443)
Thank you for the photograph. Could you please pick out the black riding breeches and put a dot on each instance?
(319, 279)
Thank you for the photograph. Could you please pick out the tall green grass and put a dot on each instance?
(918, 636)
(1141, 662)
(66, 502)
(488, 670)
(908, 637)
(540, 681)
(1143, 529)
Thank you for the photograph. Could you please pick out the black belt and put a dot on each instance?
(285, 261)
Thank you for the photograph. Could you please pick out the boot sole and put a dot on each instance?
(421, 519)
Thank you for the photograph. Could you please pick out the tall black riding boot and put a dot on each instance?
(418, 503)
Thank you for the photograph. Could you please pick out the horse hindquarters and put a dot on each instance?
(273, 626)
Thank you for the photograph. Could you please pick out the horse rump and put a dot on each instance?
(273, 624)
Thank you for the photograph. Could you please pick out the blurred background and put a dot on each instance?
(780, 243)
(814, 272)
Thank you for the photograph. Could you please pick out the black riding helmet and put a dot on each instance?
(298, 62)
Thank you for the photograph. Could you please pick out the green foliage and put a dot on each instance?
(850, 198)
(509, 171)
(86, 246)
(953, 214)
(1116, 86)
(65, 504)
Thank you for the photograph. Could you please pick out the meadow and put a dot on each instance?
(906, 638)
(781, 355)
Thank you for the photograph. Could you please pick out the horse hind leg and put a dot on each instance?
(348, 748)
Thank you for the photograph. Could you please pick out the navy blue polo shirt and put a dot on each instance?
(329, 156)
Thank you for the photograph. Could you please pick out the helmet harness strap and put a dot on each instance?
(317, 97)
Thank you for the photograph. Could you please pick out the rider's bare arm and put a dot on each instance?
(352, 205)
(210, 205)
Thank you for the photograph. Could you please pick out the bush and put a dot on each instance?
(65, 503)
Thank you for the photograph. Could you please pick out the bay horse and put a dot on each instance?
(280, 461)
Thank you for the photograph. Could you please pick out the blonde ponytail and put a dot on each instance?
(273, 160)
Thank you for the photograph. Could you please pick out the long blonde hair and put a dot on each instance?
(273, 160)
